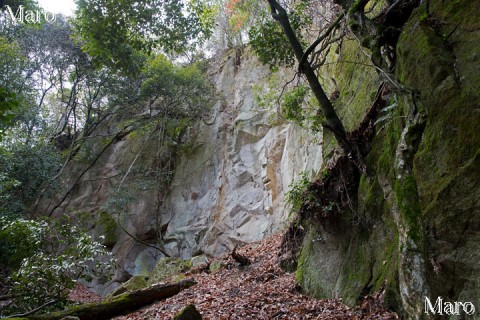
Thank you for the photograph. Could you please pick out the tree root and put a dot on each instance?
(243, 260)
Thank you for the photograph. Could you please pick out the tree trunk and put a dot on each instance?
(333, 122)
(120, 305)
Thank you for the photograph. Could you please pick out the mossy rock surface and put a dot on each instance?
(437, 55)
(165, 269)
(188, 313)
(106, 227)
(216, 265)
(199, 261)
(134, 283)
(440, 60)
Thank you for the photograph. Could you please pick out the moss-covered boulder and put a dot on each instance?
(215, 266)
(106, 228)
(166, 268)
(133, 284)
(188, 313)
(199, 261)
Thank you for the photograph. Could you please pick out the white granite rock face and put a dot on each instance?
(231, 190)
(228, 189)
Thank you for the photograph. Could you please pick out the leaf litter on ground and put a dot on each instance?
(261, 290)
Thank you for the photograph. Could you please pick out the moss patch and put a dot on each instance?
(188, 313)
(308, 276)
(107, 227)
(407, 199)
(134, 283)
(165, 269)
(215, 266)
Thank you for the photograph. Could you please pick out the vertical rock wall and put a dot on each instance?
(416, 237)
(229, 177)
(230, 189)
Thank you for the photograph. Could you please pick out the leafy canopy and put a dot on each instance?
(111, 30)
(178, 91)
(269, 41)
(15, 4)
(25, 170)
(11, 80)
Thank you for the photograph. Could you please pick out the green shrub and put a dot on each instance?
(20, 239)
(24, 175)
(292, 104)
(44, 260)
(298, 192)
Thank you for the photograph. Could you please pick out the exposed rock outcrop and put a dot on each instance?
(414, 228)
(223, 186)
(231, 188)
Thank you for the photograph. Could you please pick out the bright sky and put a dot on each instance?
(67, 7)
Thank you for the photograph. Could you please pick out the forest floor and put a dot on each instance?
(259, 291)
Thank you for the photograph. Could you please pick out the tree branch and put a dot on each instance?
(7, 297)
(312, 47)
(21, 315)
(333, 122)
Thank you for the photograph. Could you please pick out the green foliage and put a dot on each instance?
(25, 170)
(178, 86)
(387, 113)
(205, 12)
(8, 103)
(11, 63)
(112, 31)
(11, 80)
(270, 43)
(295, 103)
(298, 192)
(179, 94)
(292, 104)
(45, 258)
(14, 4)
(297, 107)
(31, 233)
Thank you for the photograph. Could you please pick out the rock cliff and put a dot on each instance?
(224, 185)
(413, 224)
(413, 232)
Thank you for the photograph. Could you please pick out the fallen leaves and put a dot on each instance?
(80, 294)
(258, 291)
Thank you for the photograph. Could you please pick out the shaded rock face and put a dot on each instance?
(224, 186)
(436, 210)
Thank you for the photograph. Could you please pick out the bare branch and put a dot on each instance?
(21, 315)
(312, 47)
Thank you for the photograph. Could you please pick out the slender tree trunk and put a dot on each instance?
(333, 122)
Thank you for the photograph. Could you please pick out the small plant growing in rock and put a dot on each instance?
(298, 192)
